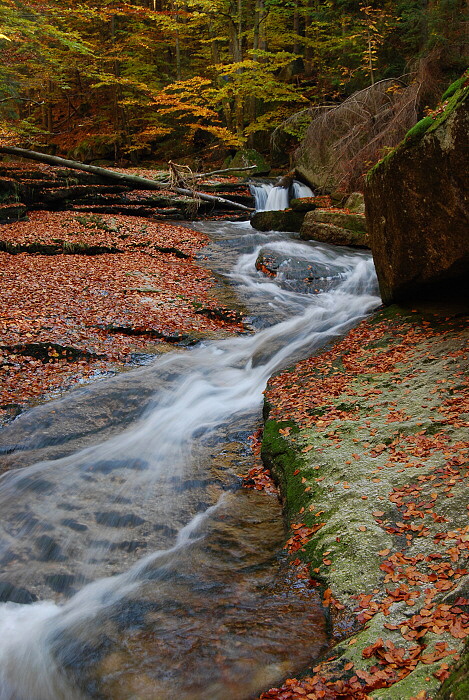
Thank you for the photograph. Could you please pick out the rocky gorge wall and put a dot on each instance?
(417, 206)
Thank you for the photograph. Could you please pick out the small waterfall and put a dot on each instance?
(300, 190)
(270, 197)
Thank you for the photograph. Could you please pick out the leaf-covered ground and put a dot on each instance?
(84, 294)
(369, 444)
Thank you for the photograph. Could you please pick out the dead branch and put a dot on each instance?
(346, 139)
(222, 172)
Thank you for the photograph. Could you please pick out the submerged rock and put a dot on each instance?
(15, 594)
(417, 208)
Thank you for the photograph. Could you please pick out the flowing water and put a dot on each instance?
(134, 564)
(270, 197)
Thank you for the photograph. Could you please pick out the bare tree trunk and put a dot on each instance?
(135, 181)
(296, 30)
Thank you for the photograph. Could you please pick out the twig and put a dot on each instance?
(226, 170)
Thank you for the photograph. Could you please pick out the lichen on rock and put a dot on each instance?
(367, 443)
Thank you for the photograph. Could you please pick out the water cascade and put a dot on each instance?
(134, 564)
(269, 197)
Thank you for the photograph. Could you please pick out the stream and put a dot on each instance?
(133, 563)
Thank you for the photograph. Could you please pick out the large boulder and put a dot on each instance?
(417, 207)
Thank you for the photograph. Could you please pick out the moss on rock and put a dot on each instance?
(372, 460)
(419, 234)
(456, 687)
(284, 220)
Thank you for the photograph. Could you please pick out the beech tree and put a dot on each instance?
(144, 77)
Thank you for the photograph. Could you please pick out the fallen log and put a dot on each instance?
(135, 181)
(226, 170)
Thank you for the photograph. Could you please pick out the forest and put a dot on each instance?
(159, 79)
(234, 392)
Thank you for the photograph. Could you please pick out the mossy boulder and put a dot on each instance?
(344, 457)
(285, 220)
(246, 157)
(456, 687)
(304, 204)
(335, 227)
(351, 222)
(417, 207)
(355, 203)
(12, 212)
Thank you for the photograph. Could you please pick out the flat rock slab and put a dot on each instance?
(330, 233)
(368, 443)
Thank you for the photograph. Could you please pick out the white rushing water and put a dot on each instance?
(127, 480)
(269, 197)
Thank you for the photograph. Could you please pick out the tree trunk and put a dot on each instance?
(135, 181)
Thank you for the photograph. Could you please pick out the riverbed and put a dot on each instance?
(134, 562)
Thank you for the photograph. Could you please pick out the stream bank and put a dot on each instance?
(368, 444)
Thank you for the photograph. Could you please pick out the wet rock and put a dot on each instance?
(128, 545)
(31, 483)
(335, 227)
(304, 204)
(286, 220)
(106, 466)
(15, 594)
(295, 273)
(351, 222)
(113, 518)
(334, 235)
(227, 315)
(24, 521)
(131, 614)
(166, 530)
(77, 657)
(151, 333)
(189, 484)
(267, 264)
(68, 506)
